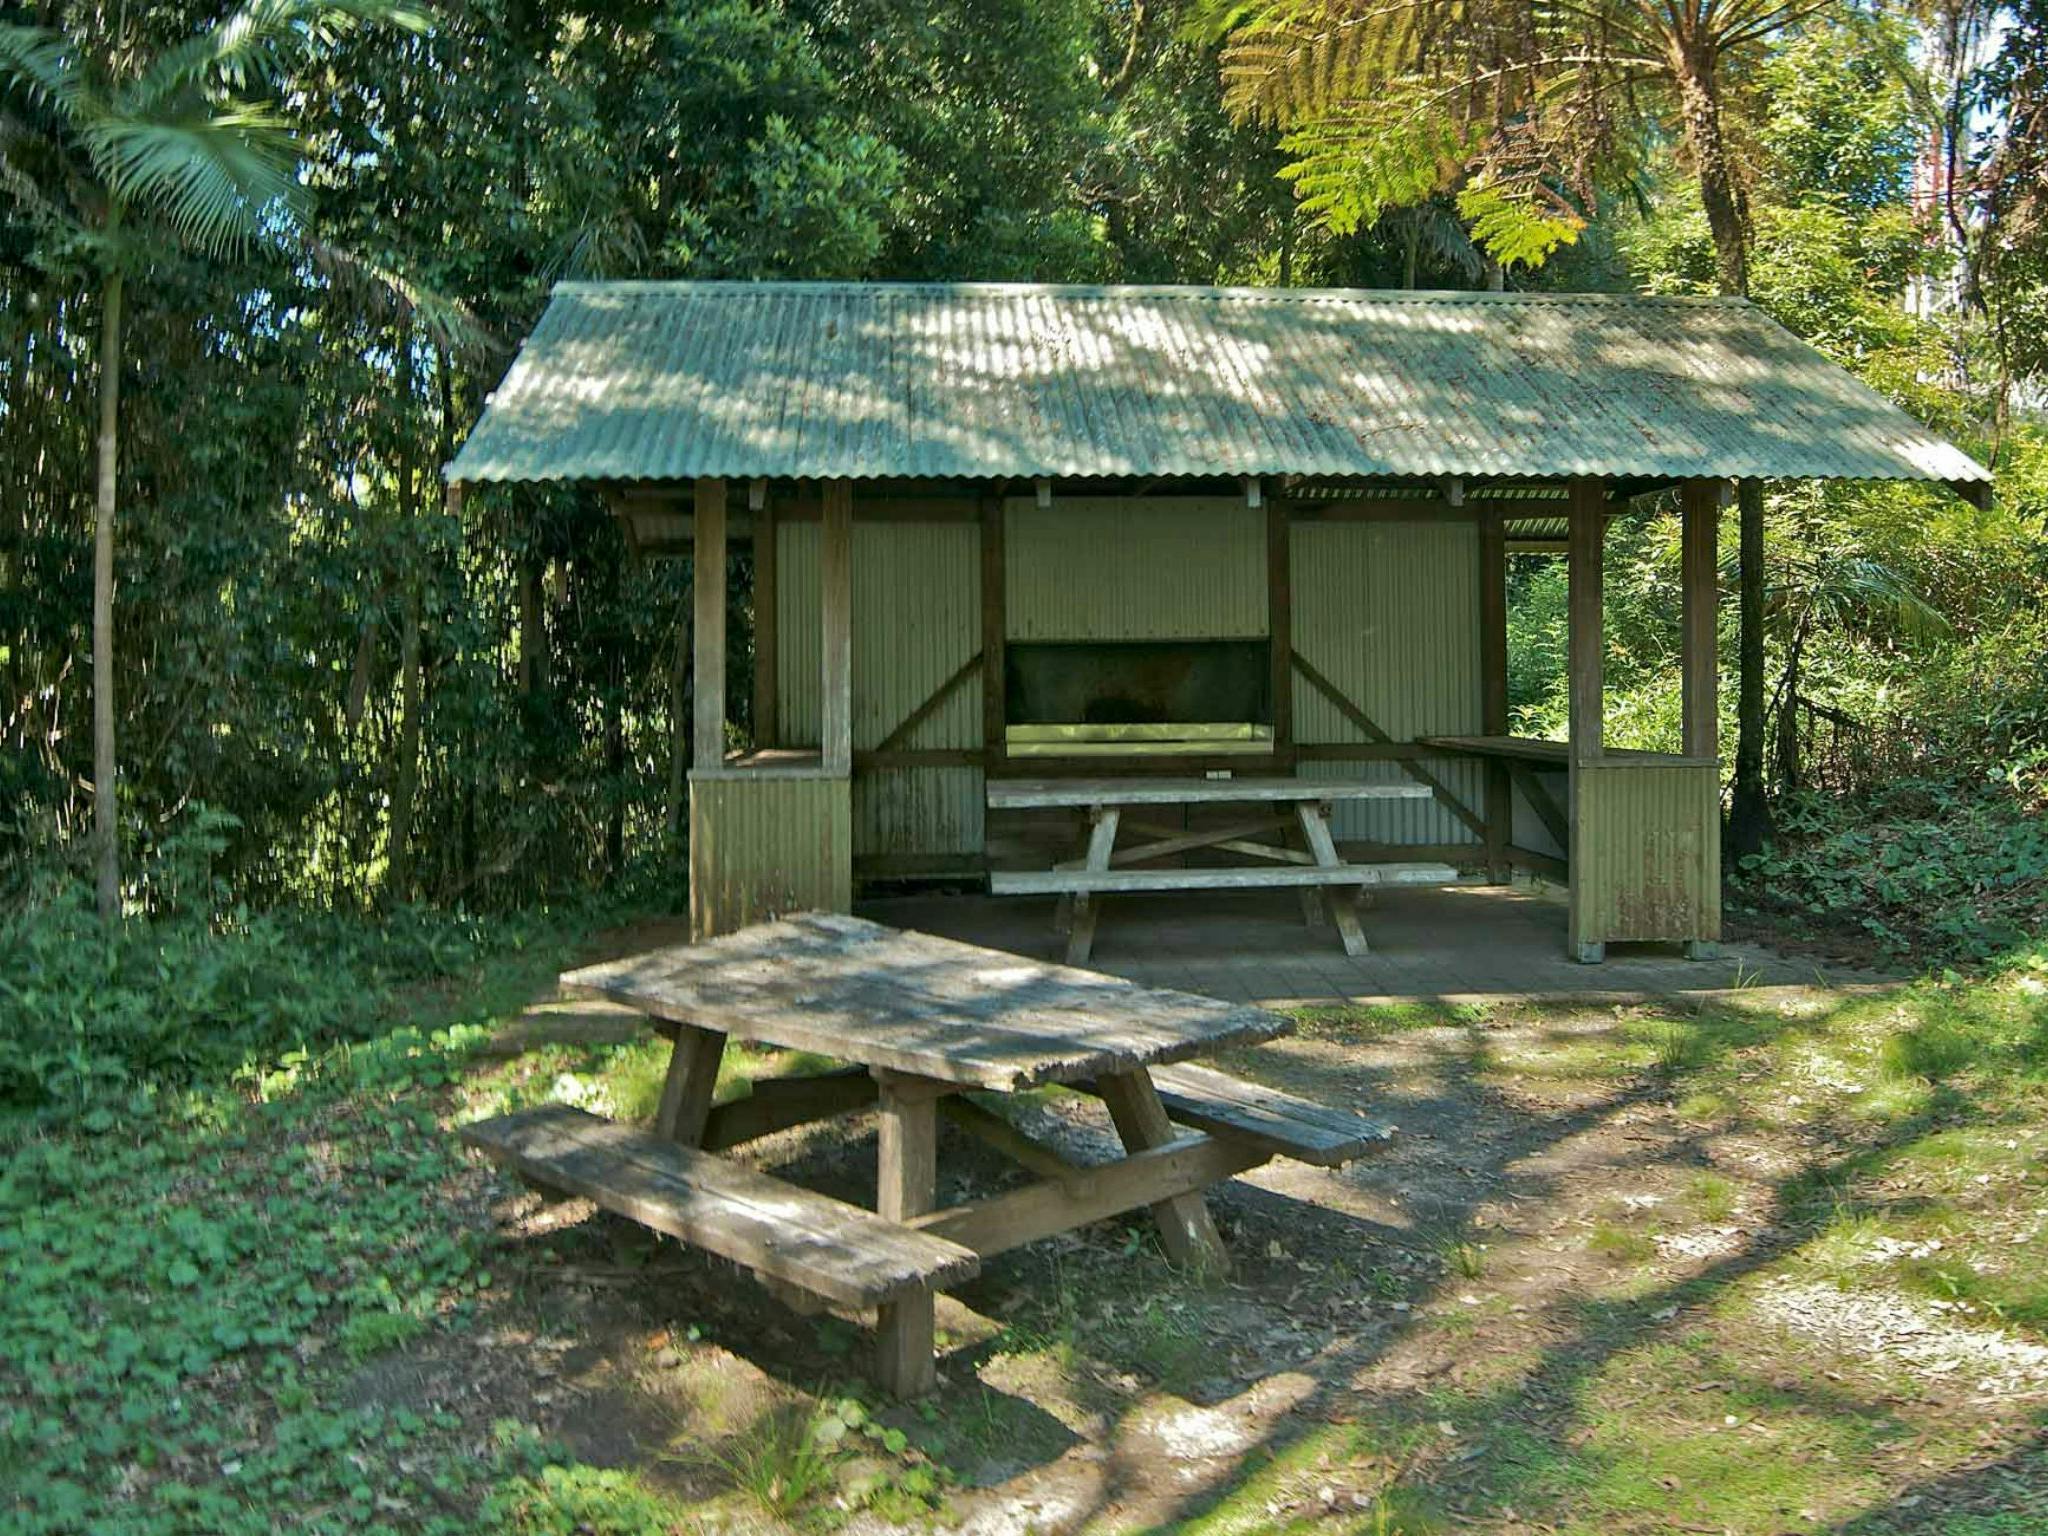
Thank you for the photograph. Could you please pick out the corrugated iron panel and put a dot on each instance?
(669, 381)
(1646, 852)
(762, 845)
(1389, 613)
(917, 811)
(1111, 568)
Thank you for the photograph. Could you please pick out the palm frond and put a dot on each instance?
(253, 44)
(209, 173)
(373, 286)
(44, 63)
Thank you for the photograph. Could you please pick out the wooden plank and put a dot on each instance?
(1315, 832)
(1185, 1228)
(988, 1125)
(1493, 688)
(780, 1103)
(1280, 626)
(841, 1252)
(1364, 722)
(1543, 803)
(994, 700)
(1554, 753)
(1051, 882)
(906, 1184)
(1038, 794)
(835, 611)
(1699, 582)
(707, 596)
(858, 991)
(1081, 916)
(1002, 1222)
(1275, 1122)
(1167, 842)
(767, 629)
(686, 1091)
(938, 696)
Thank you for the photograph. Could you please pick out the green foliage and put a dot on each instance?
(232, 1252)
(204, 987)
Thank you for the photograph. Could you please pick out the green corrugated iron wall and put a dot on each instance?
(916, 619)
(1646, 851)
(764, 844)
(1181, 568)
(1389, 612)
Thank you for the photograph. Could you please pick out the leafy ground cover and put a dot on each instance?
(1771, 1263)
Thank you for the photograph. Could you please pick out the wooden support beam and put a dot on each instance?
(767, 625)
(905, 1188)
(707, 592)
(901, 733)
(1358, 717)
(685, 1104)
(835, 601)
(994, 703)
(1585, 640)
(1493, 688)
(1185, 1228)
(1699, 561)
(1280, 627)
(1585, 643)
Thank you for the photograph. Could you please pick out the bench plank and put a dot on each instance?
(1277, 1123)
(1038, 794)
(839, 1251)
(1045, 882)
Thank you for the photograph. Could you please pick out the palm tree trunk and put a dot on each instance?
(106, 819)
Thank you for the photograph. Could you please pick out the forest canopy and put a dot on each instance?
(321, 229)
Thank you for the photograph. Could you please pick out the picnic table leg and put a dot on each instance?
(1185, 1228)
(1313, 914)
(1343, 903)
(906, 1185)
(686, 1092)
(1101, 843)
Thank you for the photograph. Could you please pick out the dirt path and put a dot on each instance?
(1602, 1280)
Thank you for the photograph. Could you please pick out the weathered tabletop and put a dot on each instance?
(928, 1007)
(1029, 794)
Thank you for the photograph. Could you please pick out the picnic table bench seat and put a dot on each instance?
(778, 1229)
(1276, 1122)
(1055, 882)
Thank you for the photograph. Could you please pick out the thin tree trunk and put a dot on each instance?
(1693, 67)
(405, 779)
(1749, 811)
(106, 813)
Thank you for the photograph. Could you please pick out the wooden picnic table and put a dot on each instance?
(922, 1022)
(1306, 861)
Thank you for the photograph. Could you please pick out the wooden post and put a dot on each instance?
(1699, 543)
(767, 730)
(707, 583)
(835, 599)
(1699, 658)
(1280, 627)
(906, 1186)
(1493, 689)
(1587, 533)
(686, 1093)
(1185, 1229)
(994, 702)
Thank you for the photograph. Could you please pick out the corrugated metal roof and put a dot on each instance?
(664, 381)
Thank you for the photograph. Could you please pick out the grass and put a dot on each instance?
(261, 1257)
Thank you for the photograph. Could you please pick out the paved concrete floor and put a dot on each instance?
(1462, 944)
